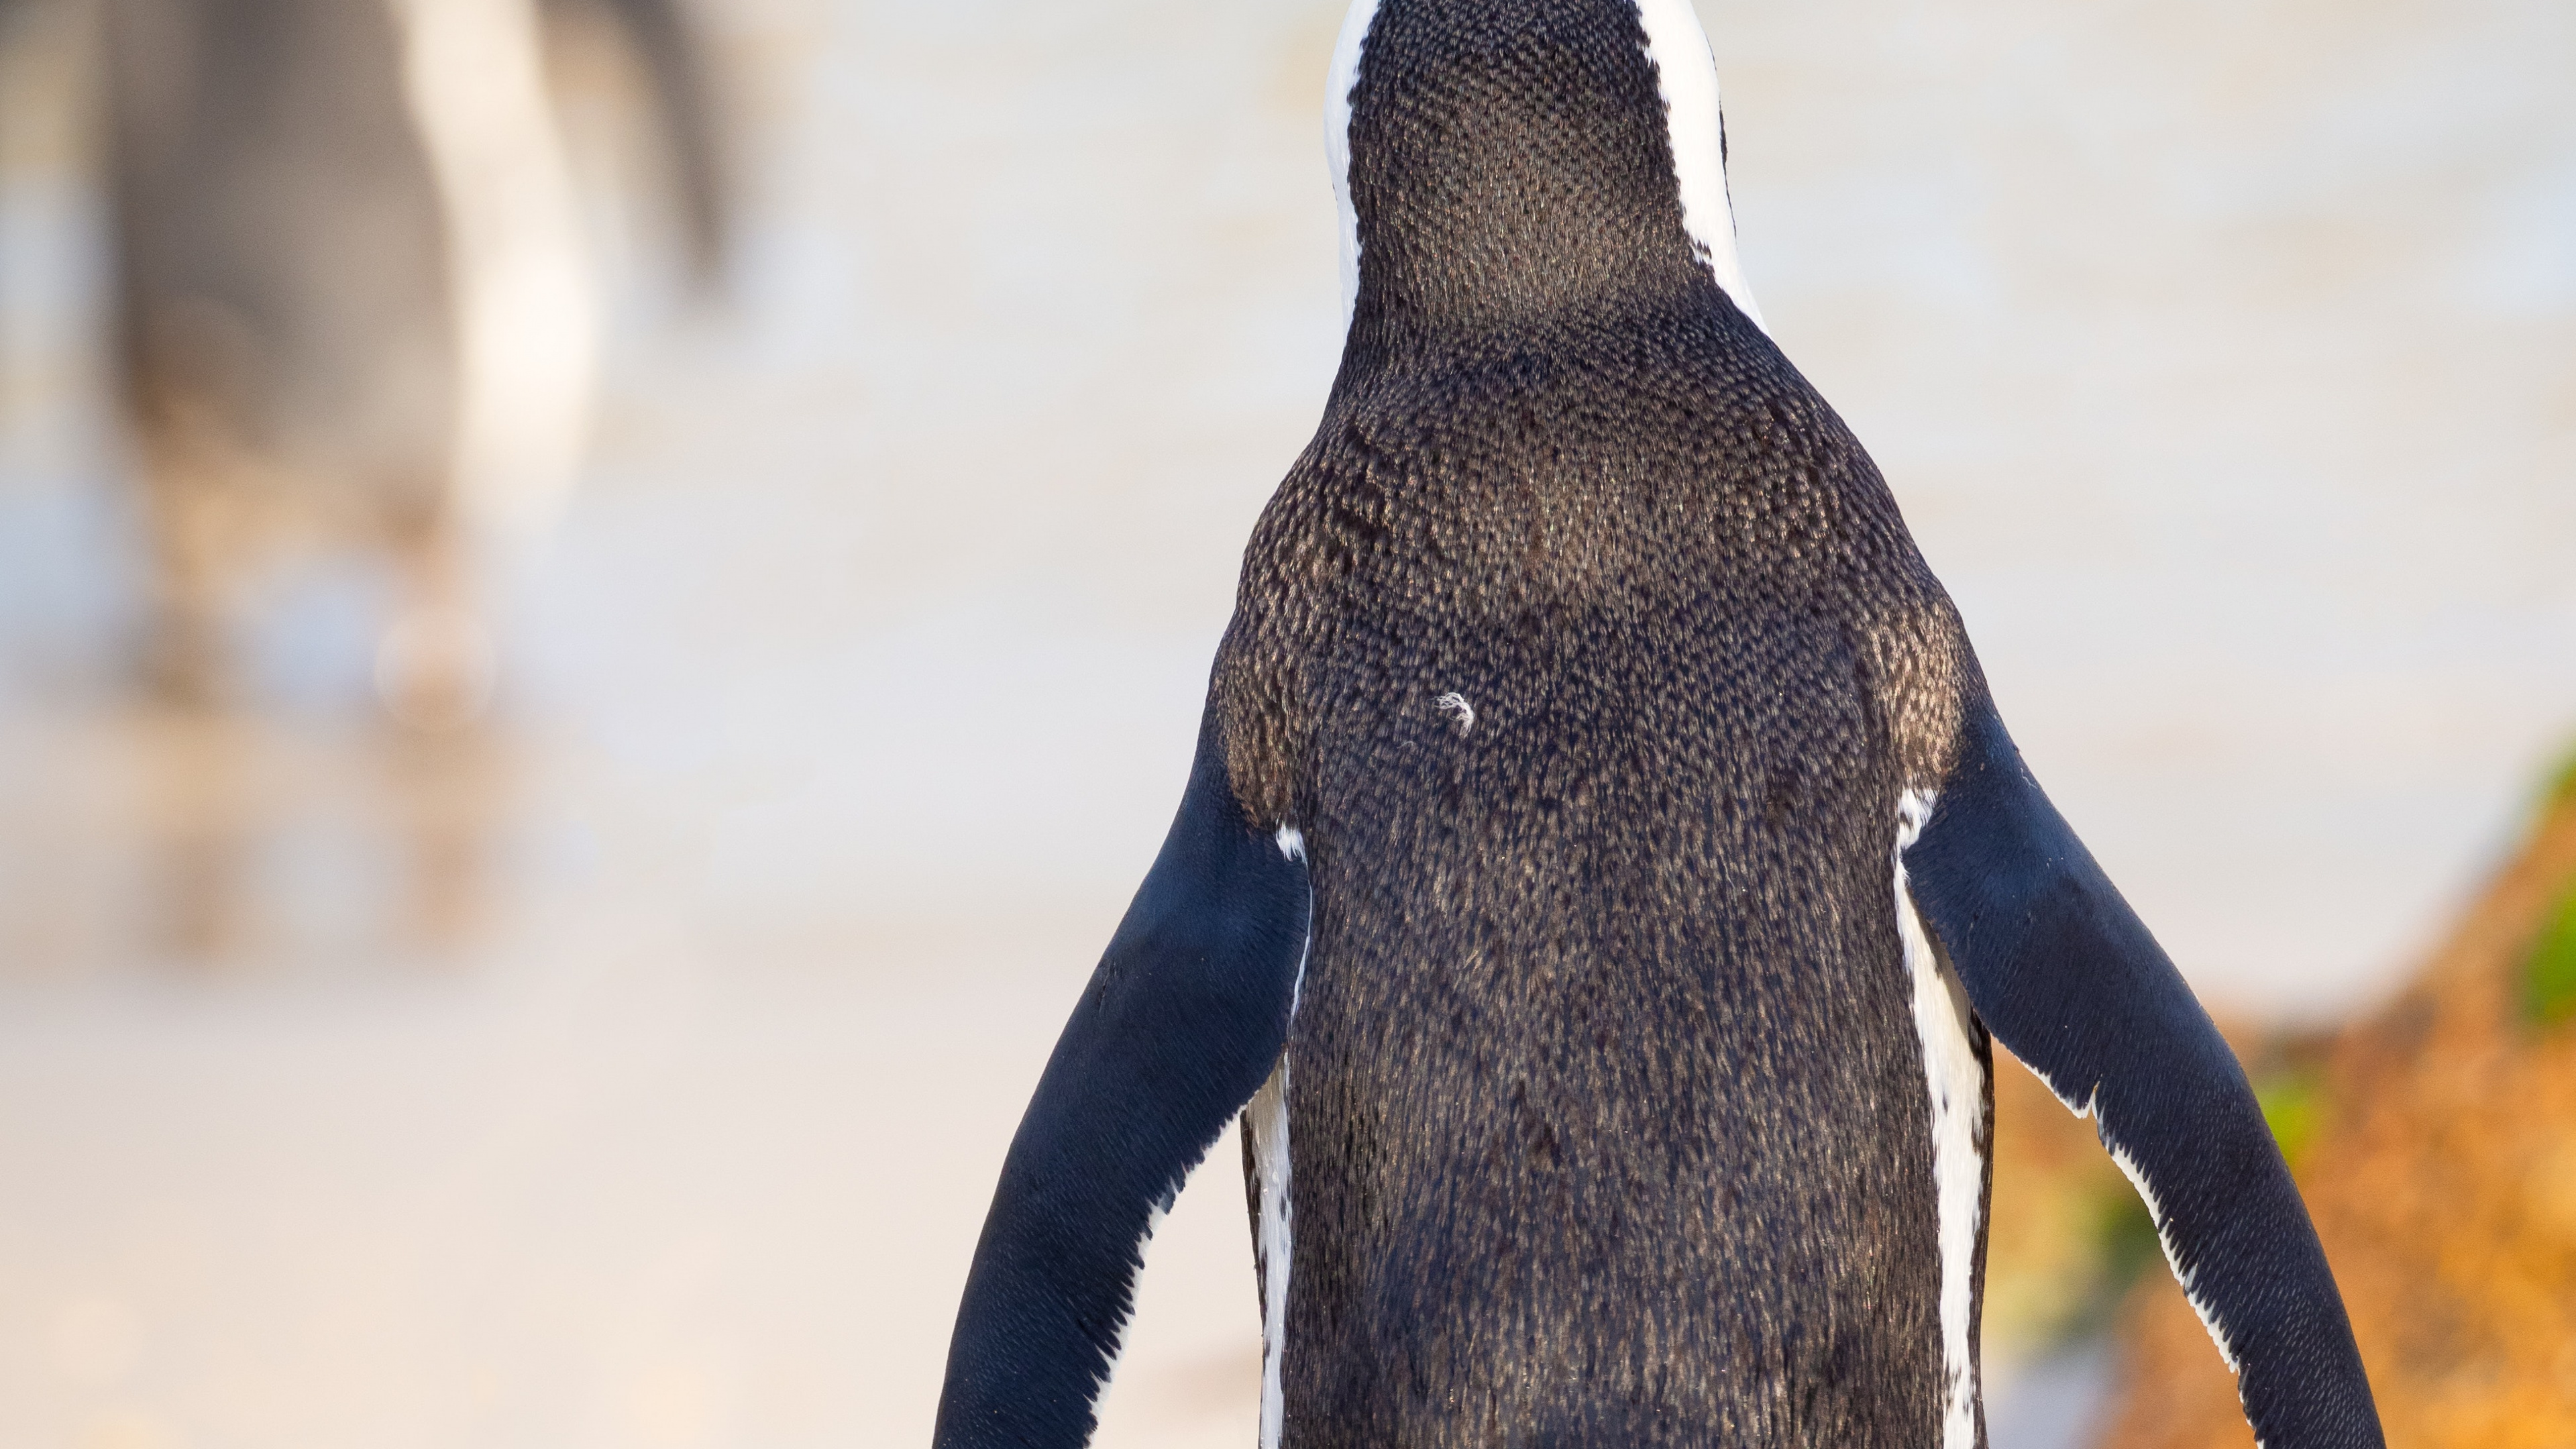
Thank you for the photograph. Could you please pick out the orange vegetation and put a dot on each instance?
(2442, 1176)
(2061, 1243)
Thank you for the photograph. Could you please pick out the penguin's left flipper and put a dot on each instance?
(2064, 974)
(1182, 1021)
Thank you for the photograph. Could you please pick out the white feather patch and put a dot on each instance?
(1686, 70)
(1957, 1083)
(1267, 1120)
(1337, 143)
(2155, 1211)
(1127, 1318)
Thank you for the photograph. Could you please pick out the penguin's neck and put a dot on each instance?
(1506, 167)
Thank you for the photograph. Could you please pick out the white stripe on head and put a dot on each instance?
(1686, 70)
(1957, 1081)
(1337, 142)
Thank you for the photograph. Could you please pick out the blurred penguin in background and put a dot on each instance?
(354, 303)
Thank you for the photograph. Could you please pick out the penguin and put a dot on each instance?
(352, 298)
(1604, 871)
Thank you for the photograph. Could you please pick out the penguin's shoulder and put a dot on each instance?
(1581, 491)
(1588, 460)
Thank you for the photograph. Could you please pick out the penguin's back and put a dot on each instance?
(1591, 664)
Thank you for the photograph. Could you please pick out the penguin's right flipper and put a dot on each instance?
(2064, 974)
(1181, 1023)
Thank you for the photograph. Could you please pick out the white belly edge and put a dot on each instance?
(1957, 1085)
(1267, 1120)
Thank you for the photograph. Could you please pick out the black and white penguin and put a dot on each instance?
(353, 298)
(1603, 867)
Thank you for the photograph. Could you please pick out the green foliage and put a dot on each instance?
(2124, 1246)
(2294, 1105)
(2562, 784)
(2549, 976)
(2293, 1100)
(2128, 1239)
(2549, 979)
(2124, 1236)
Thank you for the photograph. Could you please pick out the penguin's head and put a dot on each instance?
(1498, 161)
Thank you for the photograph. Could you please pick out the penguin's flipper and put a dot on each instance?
(1181, 1023)
(2064, 974)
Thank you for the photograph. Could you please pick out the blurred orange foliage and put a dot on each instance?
(2059, 1247)
(2442, 1176)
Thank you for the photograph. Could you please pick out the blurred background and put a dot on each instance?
(540, 937)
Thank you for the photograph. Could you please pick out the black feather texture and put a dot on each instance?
(1608, 1114)
(1589, 655)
